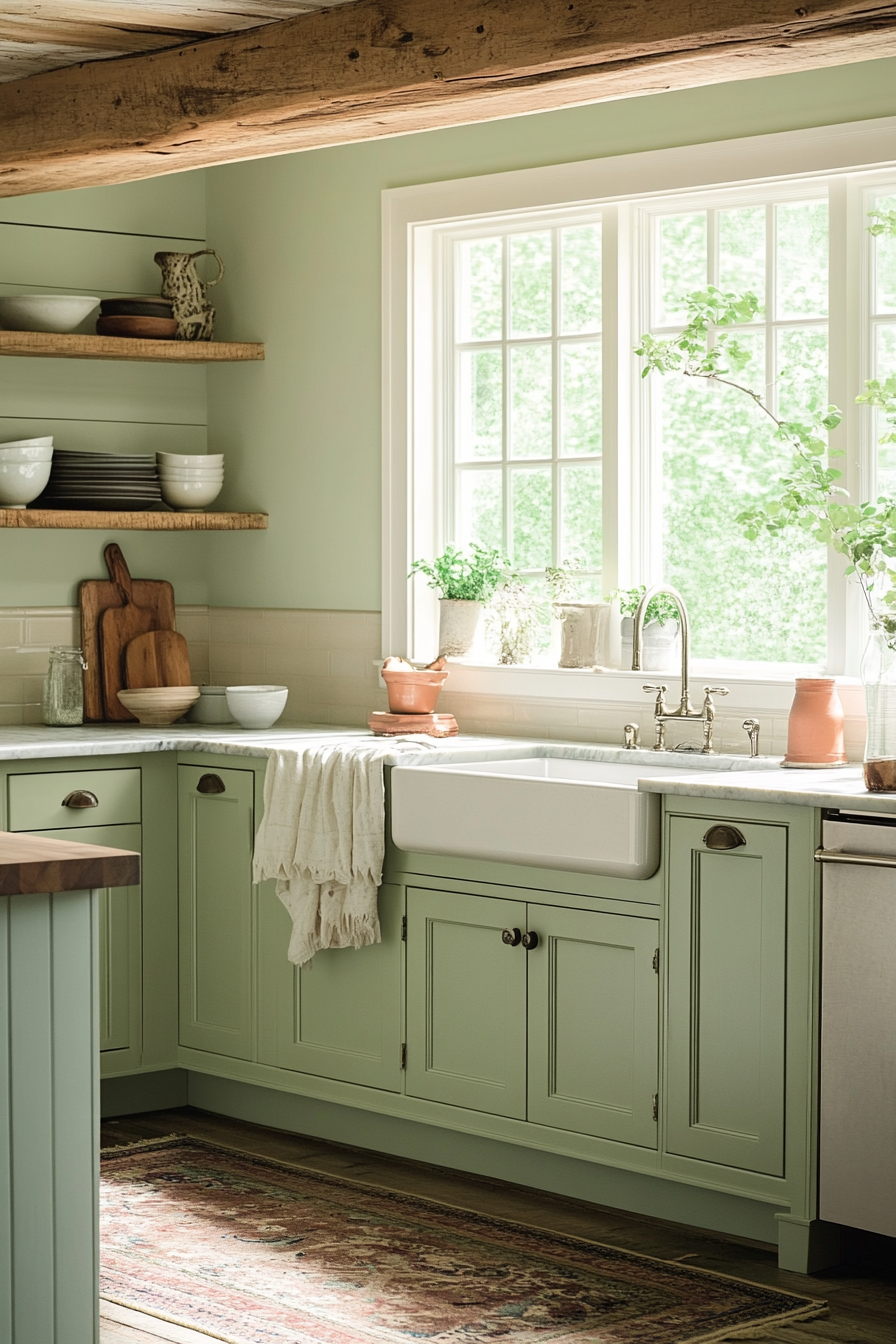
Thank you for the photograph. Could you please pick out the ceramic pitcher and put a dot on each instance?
(185, 291)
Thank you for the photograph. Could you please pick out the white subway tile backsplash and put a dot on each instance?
(327, 659)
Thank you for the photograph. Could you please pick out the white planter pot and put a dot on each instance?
(660, 646)
(584, 627)
(458, 626)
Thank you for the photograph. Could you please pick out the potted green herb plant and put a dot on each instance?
(465, 581)
(583, 625)
(661, 648)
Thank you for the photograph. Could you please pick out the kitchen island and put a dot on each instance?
(609, 1022)
(49, 1084)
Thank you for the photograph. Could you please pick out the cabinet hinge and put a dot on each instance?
(656, 1105)
(656, 961)
(404, 928)
(404, 1055)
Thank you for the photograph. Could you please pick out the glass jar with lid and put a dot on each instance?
(62, 702)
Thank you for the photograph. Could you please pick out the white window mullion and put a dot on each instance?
(616, 364)
(843, 651)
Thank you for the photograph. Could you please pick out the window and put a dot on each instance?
(516, 415)
(524, 390)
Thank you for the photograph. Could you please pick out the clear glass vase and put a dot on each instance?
(62, 703)
(879, 676)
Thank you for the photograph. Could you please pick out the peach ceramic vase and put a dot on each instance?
(815, 728)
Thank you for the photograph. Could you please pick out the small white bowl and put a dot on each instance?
(211, 707)
(190, 459)
(256, 706)
(191, 495)
(45, 312)
(191, 473)
(20, 482)
(45, 442)
(26, 454)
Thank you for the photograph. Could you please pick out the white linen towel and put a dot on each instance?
(322, 838)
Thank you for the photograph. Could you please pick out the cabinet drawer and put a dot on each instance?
(36, 801)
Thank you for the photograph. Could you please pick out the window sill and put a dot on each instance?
(748, 692)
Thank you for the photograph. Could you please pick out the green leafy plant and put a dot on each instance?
(808, 495)
(661, 607)
(473, 576)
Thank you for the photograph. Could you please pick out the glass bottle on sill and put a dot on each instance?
(879, 677)
(62, 701)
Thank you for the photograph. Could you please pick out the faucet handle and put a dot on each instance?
(715, 690)
(660, 701)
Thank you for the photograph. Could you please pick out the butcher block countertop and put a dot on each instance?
(30, 864)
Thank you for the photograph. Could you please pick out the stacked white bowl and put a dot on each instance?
(24, 470)
(190, 481)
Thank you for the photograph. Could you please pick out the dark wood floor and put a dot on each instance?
(861, 1294)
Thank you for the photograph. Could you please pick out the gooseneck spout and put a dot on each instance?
(686, 709)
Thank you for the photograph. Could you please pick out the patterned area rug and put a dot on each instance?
(253, 1251)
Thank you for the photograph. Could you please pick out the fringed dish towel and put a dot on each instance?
(322, 839)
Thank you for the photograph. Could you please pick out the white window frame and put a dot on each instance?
(416, 222)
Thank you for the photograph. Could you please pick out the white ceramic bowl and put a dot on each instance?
(20, 482)
(256, 706)
(190, 459)
(26, 454)
(190, 495)
(191, 473)
(45, 442)
(159, 705)
(45, 312)
(211, 707)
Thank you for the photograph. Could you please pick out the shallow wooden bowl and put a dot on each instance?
(143, 328)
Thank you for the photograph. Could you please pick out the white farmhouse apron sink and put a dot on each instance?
(551, 812)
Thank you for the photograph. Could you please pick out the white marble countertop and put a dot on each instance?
(724, 777)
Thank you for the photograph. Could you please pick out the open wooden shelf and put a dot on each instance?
(51, 345)
(145, 520)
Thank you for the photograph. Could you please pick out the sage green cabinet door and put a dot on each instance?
(121, 945)
(727, 979)
(594, 1024)
(466, 1002)
(340, 1015)
(215, 894)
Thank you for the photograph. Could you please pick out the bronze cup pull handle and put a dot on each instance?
(723, 837)
(210, 784)
(81, 798)
(512, 937)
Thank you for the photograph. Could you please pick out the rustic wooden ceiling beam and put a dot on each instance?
(371, 69)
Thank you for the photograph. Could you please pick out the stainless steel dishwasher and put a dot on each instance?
(857, 1177)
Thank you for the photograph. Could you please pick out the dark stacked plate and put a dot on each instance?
(101, 481)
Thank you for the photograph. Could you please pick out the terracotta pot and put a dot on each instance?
(815, 727)
(413, 692)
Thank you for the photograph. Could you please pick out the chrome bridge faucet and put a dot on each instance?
(685, 711)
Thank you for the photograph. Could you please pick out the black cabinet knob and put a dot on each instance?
(512, 937)
(81, 798)
(210, 784)
(530, 940)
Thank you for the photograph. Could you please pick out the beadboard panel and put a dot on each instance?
(82, 261)
(108, 436)
(49, 1112)
(78, 389)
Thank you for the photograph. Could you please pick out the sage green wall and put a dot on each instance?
(99, 241)
(301, 238)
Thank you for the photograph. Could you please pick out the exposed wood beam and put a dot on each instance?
(370, 69)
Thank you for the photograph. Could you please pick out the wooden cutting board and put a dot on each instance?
(118, 626)
(97, 596)
(160, 658)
